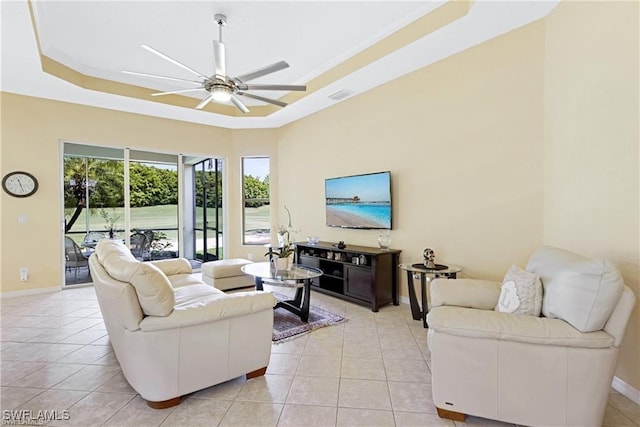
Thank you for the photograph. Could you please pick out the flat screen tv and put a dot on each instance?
(359, 201)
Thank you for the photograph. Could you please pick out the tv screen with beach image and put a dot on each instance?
(359, 201)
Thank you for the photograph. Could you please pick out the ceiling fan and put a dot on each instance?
(221, 87)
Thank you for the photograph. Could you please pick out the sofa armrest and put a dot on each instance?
(472, 293)
(210, 309)
(173, 266)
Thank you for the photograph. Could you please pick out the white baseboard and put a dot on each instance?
(14, 294)
(627, 390)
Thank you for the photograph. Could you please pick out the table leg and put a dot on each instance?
(258, 282)
(306, 301)
(425, 303)
(413, 300)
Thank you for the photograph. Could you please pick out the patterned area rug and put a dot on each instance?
(287, 326)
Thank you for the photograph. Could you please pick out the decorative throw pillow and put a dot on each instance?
(521, 293)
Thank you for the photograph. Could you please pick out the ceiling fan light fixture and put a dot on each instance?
(220, 93)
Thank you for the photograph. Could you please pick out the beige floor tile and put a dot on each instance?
(614, 418)
(95, 409)
(362, 349)
(54, 352)
(283, 363)
(364, 394)
(405, 351)
(351, 417)
(295, 346)
(86, 355)
(117, 384)
(307, 415)
(18, 334)
(407, 370)
(136, 413)
(197, 412)
(53, 400)
(411, 397)
(85, 337)
(319, 366)
(53, 335)
(266, 388)
(108, 359)
(13, 371)
(88, 378)
(324, 346)
(48, 376)
(251, 414)
(224, 391)
(363, 368)
(314, 391)
(13, 397)
(351, 332)
(625, 406)
(411, 419)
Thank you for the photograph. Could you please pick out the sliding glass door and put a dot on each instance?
(161, 205)
(207, 206)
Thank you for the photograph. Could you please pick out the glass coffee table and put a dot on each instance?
(298, 277)
(426, 275)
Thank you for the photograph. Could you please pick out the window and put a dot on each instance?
(256, 212)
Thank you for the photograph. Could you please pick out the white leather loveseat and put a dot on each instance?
(171, 333)
(554, 370)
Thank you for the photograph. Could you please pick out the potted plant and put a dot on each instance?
(283, 254)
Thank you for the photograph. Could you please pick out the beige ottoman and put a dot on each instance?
(225, 274)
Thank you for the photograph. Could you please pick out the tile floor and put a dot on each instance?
(370, 371)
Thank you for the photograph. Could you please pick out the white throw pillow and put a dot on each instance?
(585, 294)
(521, 293)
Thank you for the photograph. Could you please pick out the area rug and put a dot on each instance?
(287, 326)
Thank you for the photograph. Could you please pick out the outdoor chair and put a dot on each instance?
(92, 238)
(74, 256)
(138, 243)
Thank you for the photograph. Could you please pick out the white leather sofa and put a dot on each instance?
(554, 370)
(171, 333)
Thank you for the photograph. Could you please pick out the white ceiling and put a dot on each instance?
(101, 38)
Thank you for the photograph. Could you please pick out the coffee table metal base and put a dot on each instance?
(300, 303)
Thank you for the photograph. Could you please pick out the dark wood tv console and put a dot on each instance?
(360, 274)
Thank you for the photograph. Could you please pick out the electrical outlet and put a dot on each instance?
(24, 274)
(250, 257)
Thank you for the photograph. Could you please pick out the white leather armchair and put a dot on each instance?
(171, 333)
(524, 369)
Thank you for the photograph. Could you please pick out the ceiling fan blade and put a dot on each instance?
(263, 99)
(272, 87)
(204, 102)
(177, 91)
(173, 61)
(219, 59)
(281, 65)
(236, 101)
(155, 76)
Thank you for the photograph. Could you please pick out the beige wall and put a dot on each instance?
(591, 143)
(463, 141)
(30, 135)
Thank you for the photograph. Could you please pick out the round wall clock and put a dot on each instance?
(19, 184)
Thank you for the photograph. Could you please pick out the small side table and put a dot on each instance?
(426, 275)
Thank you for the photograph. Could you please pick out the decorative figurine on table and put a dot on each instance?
(429, 258)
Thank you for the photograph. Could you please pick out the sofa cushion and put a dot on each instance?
(224, 268)
(154, 290)
(585, 294)
(117, 259)
(577, 289)
(521, 293)
(468, 322)
(546, 262)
